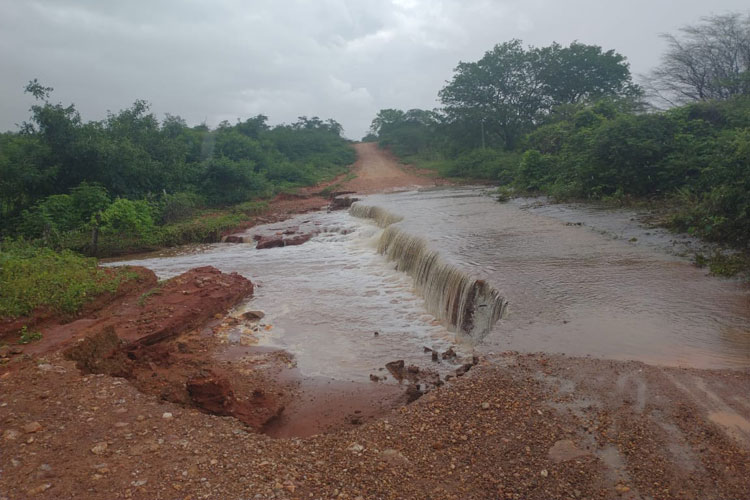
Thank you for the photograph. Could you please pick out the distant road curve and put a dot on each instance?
(378, 171)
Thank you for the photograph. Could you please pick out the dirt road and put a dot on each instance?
(378, 171)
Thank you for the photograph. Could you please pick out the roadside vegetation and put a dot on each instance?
(570, 123)
(35, 278)
(131, 182)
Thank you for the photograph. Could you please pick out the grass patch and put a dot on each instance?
(206, 227)
(339, 186)
(29, 336)
(33, 278)
(157, 290)
(725, 265)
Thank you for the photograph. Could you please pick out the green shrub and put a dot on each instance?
(130, 217)
(534, 170)
(175, 207)
(88, 199)
(489, 164)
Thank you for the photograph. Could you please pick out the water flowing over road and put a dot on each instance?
(572, 289)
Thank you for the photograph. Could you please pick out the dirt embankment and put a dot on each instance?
(153, 335)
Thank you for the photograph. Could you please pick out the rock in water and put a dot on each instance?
(397, 369)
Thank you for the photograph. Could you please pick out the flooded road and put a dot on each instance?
(606, 288)
(574, 289)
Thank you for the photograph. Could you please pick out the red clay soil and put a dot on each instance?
(152, 337)
(144, 280)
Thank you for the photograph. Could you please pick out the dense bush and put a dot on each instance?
(59, 174)
(129, 217)
(491, 164)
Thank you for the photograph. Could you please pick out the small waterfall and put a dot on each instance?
(382, 218)
(469, 305)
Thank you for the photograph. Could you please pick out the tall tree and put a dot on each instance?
(709, 60)
(511, 88)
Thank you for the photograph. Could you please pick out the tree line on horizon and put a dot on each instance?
(131, 172)
(570, 122)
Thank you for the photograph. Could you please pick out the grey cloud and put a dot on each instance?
(342, 59)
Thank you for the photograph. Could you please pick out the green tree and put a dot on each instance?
(510, 89)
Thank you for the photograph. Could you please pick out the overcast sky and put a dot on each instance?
(227, 59)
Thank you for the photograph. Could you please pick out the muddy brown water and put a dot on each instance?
(579, 281)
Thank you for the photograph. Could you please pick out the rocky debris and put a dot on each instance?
(449, 354)
(413, 392)
(253, 315)
(461, 370)
(393, 457)
(420, 379)
(341, 203)
(157, 361)
(99, 353)
(445, 446)
(396, 368)
(280, 240)
(11, 434)
(297, 239)
(32, 427)
(100, 448)
(356, 448)
(375, 378)
(213, 393)
(274, 241)
(565, 450)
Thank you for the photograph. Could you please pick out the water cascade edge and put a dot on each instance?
(470, 306)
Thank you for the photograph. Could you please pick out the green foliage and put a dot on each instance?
(157, 290)
(128, 217)
(511, 89)
(33, 277)
(534, 171)
(58, 173)
(489, 164)
(405, 132)
(697, 154)
(175, 207)
(29, 336)
(88, 199)
(250, 208)
(207, 228)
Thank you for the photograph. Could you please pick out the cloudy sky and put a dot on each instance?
(343, 59)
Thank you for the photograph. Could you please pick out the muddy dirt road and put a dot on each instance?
(378, 171)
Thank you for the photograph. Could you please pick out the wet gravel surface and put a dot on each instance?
(515, 426)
